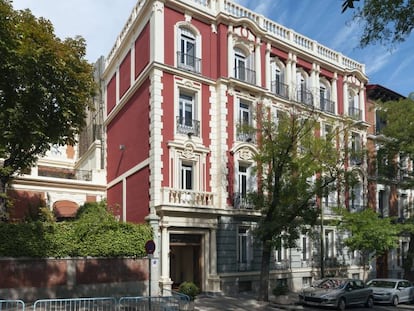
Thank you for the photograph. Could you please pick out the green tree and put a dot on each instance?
(383, 21)
(369, 234)
(45, 85)
(394, 154)
(295, 167)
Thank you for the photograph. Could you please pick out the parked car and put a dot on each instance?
(337, 293)
(392, 291)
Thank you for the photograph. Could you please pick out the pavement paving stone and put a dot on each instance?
(245, 301)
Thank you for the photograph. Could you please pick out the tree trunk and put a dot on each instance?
(3, 211)
(408, 261)
(264, 273)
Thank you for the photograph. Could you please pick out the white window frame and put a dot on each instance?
(244, 246)
(329, 242)
(187, 171)
(186, 100)
(244, 108)
(191, 89)
(306, 247)
(186, 29)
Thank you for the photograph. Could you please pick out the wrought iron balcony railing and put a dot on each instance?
(304, 97)
(241, 201)
(188, 126)
(245, 74)
(327, 105)
(355, 113)
(188, 62)
(280, 89)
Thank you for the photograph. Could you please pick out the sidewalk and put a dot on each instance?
(245, 301)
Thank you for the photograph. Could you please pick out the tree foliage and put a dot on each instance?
(369, 234)
(45, 86)
(296, 167)
(383, 21)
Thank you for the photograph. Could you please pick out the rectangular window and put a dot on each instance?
(240, 66)
(245, 131)
(305, 248)
(329, 244)
(186, 109)
(186, 118)
(280, 252)
(243, 234)
(244, 247)
(243, 181)
(356, 156)
(187, 176)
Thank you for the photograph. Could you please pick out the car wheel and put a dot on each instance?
(341, 304)
(370, 302)
(394, 301)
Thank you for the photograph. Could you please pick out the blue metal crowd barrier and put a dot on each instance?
(76, 304)
(12, 305)
(173, 302)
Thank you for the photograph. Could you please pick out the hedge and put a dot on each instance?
(94, 232)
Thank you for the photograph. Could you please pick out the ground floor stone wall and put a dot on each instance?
(30, 279)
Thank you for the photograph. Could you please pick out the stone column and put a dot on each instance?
(258, 63)
(268, 68)
(230, 52)
(165, 280)
(213, 278)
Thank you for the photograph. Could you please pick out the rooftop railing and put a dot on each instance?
(280, 32)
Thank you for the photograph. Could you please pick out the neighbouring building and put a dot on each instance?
(180, 79)
(67, 176)
(386, 193)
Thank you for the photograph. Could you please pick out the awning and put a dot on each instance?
(65, 209)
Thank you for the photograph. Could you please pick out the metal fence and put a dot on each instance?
(173, 302)
(76, 304)
(12, 305)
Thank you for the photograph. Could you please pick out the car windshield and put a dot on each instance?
(381, 283)
(331, 284)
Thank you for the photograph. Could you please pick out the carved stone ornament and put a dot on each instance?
(188, 152)
(158, 6)
(245, 154)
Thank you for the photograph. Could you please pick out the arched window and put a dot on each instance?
(188, 49)
(303, 95)
(279, 87)
(243, 66)
(325, 102)
(354, 110)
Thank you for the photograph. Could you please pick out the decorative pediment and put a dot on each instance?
(245, 34)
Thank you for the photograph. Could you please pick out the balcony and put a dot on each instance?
(64, 173)
(245, 74)
(241, 201)
(280, 89)
(327, 105)
(281, 265)
(355, 113)
(245, 133)
(188, 126)
(188, 62)
(187, 198)
(304, 97)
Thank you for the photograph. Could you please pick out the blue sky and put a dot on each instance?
(100, 21)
